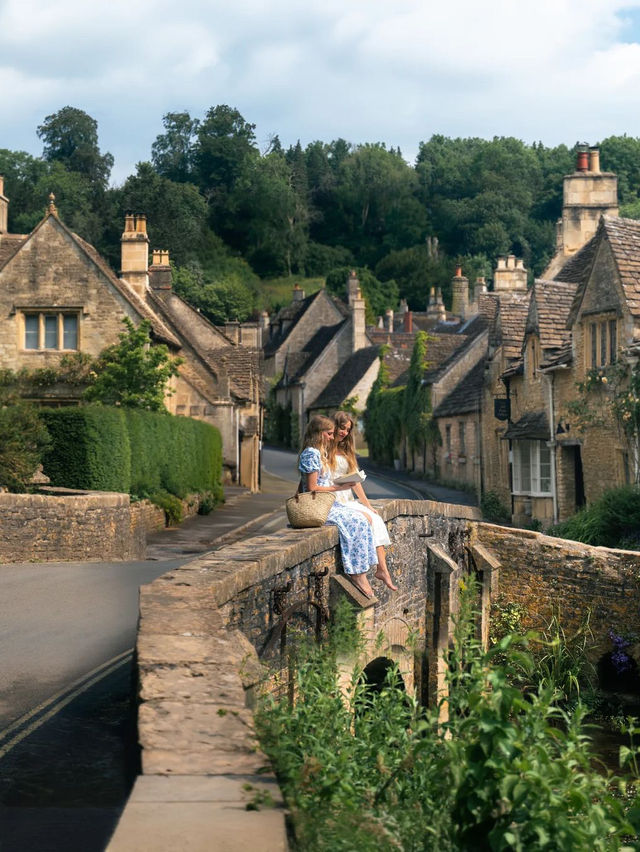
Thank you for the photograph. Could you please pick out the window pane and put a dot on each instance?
(522, 466)
(70, 331)
(545, 468)
(594, 345)
(31, 331)
(51, 331)
(603, 342)
(613, 341)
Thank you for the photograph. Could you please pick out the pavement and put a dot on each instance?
(242, 514)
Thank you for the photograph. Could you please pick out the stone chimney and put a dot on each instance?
(433, 312)
(265, 324)
(442, 311)
(407, 322)
(460, 288)
(510, 276)
(160, 271)
(353, 287)
(4, 208)
(388, 320)
(481, 287)
(358, 322)
(134, 245)
(298, 293)
(588, 194)
(232, 330)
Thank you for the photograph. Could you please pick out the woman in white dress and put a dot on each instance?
(341, 457)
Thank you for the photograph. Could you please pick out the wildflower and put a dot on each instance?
(604, 380)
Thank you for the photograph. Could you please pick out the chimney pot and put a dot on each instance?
(594, 160)
(458, 272)
(582, 164)
(408, 322)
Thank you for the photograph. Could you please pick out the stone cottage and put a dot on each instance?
(59, 296)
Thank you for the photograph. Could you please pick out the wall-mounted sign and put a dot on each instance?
(502, 409)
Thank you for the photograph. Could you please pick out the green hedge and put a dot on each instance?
(141, 452)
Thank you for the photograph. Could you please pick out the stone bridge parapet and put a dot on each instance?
(210, 630)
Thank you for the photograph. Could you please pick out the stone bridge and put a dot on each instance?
(210, 630)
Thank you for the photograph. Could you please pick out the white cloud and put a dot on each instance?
(367, 70)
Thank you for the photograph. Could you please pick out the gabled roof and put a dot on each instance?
(512, 318)
(297, 363)
(9, 245)
(623, 236)
(292, 314)
(159, 329)
(549, 309)
(340, 386)
(466, 397)
(240, 364)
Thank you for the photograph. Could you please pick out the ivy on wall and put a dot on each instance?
(400, 414)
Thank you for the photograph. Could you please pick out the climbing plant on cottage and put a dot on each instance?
(613, 390)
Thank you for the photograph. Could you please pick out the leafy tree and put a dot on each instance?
(70, 137)
(22, 174)
(23, 440)
(173, 152)
(378, 295)
(133, 373)
(415, 271)
(176, 212)
(226, 299)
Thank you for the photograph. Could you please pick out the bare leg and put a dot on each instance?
(382, 572)
(361, 582)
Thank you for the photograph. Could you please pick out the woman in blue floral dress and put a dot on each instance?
(356, 535)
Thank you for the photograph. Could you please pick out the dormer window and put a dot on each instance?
(46, 330)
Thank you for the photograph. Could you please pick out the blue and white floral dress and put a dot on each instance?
(356, 536)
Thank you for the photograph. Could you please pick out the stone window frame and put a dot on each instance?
(43, 313)
(539, 460)
(601, 340)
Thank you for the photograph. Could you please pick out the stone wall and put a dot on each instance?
(78, 526)
(68, 528)
(548, 575)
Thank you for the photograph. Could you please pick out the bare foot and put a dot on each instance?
(362, 584)
(384, 575)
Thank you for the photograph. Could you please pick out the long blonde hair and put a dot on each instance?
(346, 447)
(313, 436)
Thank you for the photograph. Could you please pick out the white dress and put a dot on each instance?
(346, 498)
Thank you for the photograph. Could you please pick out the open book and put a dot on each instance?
(354, 478)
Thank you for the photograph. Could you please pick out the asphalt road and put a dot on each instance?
(282, 463)
(68, 752)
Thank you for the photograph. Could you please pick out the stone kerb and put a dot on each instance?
(198, 667)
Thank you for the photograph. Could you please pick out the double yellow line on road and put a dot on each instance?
(31, 721)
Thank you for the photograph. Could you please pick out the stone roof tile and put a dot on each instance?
(466, 397)
(347, 377)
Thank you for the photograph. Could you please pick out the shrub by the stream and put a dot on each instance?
(509, 769)
(611, 521)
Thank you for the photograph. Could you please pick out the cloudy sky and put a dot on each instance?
(395, 71)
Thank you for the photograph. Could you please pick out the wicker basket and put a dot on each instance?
(309, 508)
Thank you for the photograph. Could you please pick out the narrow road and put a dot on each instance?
(282, 463)
(68, 752)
